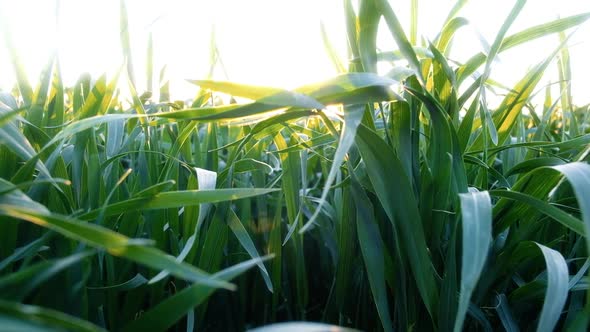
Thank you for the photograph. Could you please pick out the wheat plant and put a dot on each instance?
(379, 202)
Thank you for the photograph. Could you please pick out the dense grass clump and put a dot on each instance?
(377, 202)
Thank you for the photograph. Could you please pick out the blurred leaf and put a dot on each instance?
(40, 319)
(301, 327)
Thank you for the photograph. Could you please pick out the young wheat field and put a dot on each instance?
(398, 201)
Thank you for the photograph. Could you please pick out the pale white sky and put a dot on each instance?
(264, 42)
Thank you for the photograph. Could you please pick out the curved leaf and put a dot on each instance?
(476, 212)
(301, 327)
(557, 289)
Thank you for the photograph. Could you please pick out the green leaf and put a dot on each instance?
(18, 285)
(137, 281)
(352, 119)
(243, 237)
(368, 23)
(400, 37)
(505, 314)
(169, 311)
(125, 40)
(372, 247)
(578, 175)
(263, 95)
(26, 91)
(557, 289)
(205, 180)
(448, 31)
(522, 37)
(395, 193)
(301, 327)
(115, 243)
(41, 319)
(476, 221)
(12, 138)
(486, 119)
(557, 214)
(331, 51)
(531, 164)
(173, 199)
(510, 108)
(544, 29)
(414, 22)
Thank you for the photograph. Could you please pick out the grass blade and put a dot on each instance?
(352, 119)
(243, 237)
(476, 211)
(115, 243)
(37, 317)
(301, 327)
(372, 247)
(557, 289)
(166, 313)
(400, 37)
(395, 194)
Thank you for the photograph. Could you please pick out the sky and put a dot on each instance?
(261, 42)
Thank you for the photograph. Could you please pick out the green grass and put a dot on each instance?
(412, 206)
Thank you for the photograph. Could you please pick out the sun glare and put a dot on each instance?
(260, 42)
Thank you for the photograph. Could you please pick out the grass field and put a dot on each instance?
(374, 202)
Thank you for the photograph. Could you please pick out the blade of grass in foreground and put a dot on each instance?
(578, 175)
(301, 327)
(557, 289)
(476, 212)
(505, 314)
(34, 318)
